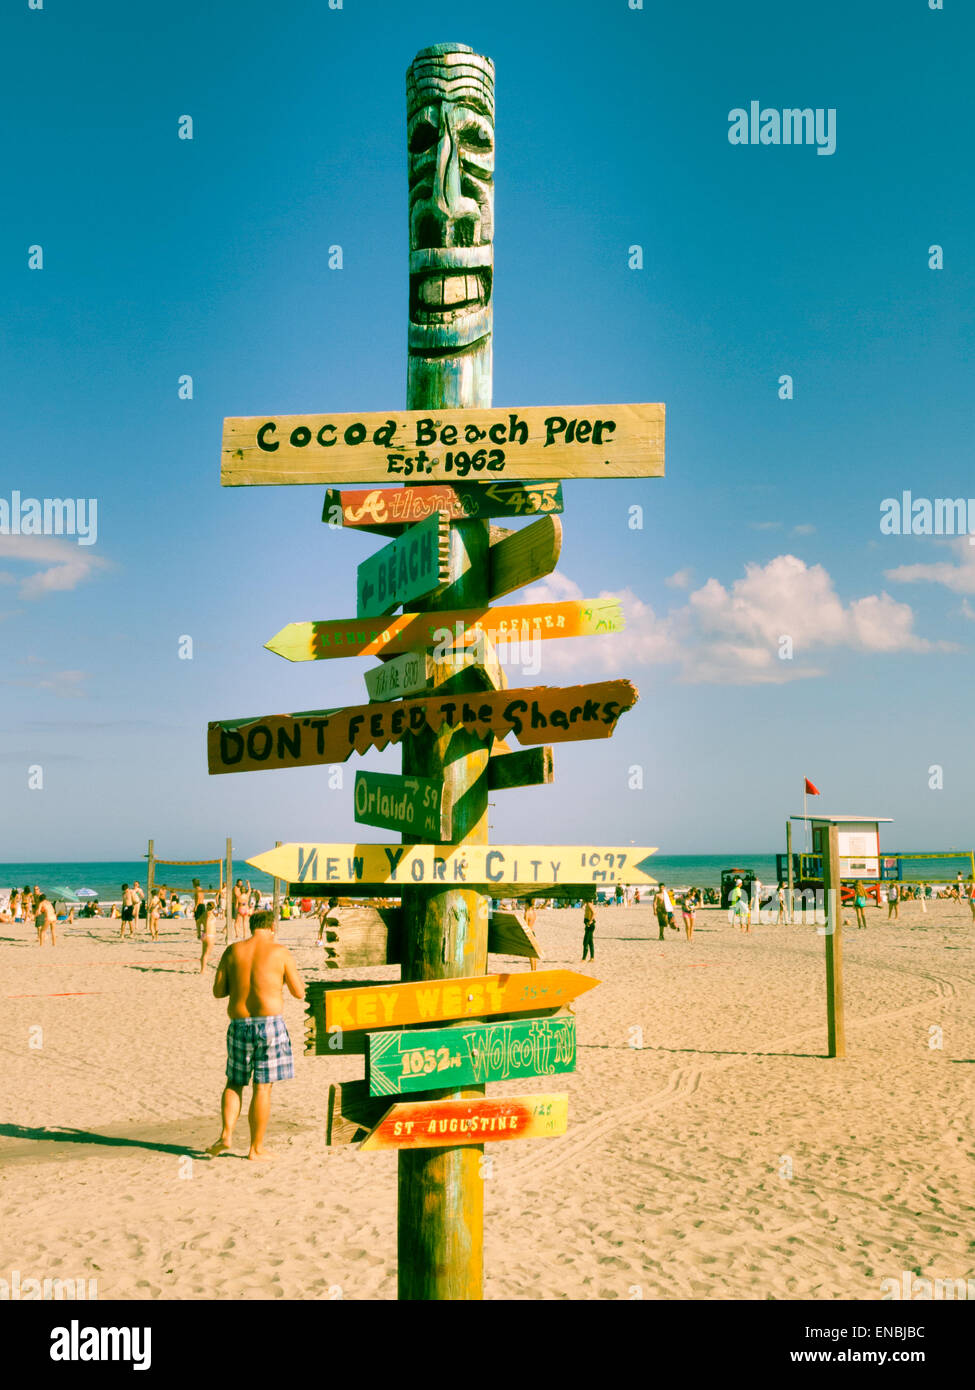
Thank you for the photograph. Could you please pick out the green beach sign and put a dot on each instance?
(470, 1054)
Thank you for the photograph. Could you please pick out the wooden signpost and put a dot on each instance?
(400, 1063)
(521, 557)
(361, 936)
(508, 935)
(463, 461)
(414, 672)
(408, 568)
(401, 675)
(398, 866)
(411, 805)
(388, 511)
(539, 715)
(438, 1000)
(562, 441)
(432, 1124)
(532, 767)
(320, 641)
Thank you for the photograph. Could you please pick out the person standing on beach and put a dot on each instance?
(240, 910)
(207, 930)
(739, 908)
(860, 903)
(780, 893)
(588, 931)
(45, 920)
(323, 917)
(689, 905)
(251, 976)
(660, 908)
(155, 907)
(531, 916)
(127, 909)
(893, 903)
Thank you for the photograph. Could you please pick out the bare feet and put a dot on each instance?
(218, 1148)
(258, 1156)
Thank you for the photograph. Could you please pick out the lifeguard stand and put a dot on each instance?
(858, 838)
(846, 847)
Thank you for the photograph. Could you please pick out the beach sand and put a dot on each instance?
(725, 1157)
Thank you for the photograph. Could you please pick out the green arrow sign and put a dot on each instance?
(411, 805)
(410, 567)
(399, 1063)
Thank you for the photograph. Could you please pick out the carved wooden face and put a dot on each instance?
(450, 133)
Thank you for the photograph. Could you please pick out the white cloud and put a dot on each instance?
(67, 685)
(805, 528)
(734, 634)
(680, 580)
(958, 576)
(65, 563)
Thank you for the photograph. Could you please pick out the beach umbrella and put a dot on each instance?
(61, 895)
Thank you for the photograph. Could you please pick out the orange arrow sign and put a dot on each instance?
(431, 1001)
(518, 622)
(442, 1124)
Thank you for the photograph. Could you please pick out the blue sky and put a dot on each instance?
(209, 257)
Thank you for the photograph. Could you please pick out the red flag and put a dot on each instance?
(813, 791)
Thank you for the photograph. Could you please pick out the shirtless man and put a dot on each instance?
(251, 976)
(128, 909)
(45, 919)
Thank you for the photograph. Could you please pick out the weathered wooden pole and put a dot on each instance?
(833, 895)
(150, 881)
(229, 889)
(276, 900)
(450, 137)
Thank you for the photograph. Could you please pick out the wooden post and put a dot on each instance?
(788, 855)
(833, 896)
(150, 880)
(276, 901)
(451, 205)
(229, 889)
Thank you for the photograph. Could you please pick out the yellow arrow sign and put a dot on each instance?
(406, 865)
(433, 1001)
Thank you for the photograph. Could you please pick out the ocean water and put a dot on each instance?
(680, 870)
(106, 879)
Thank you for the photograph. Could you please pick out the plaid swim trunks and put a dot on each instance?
(261, 1046)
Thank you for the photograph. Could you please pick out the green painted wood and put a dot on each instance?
(403, 1063)
(410, 567)
(410, 805)
(440, 1222)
